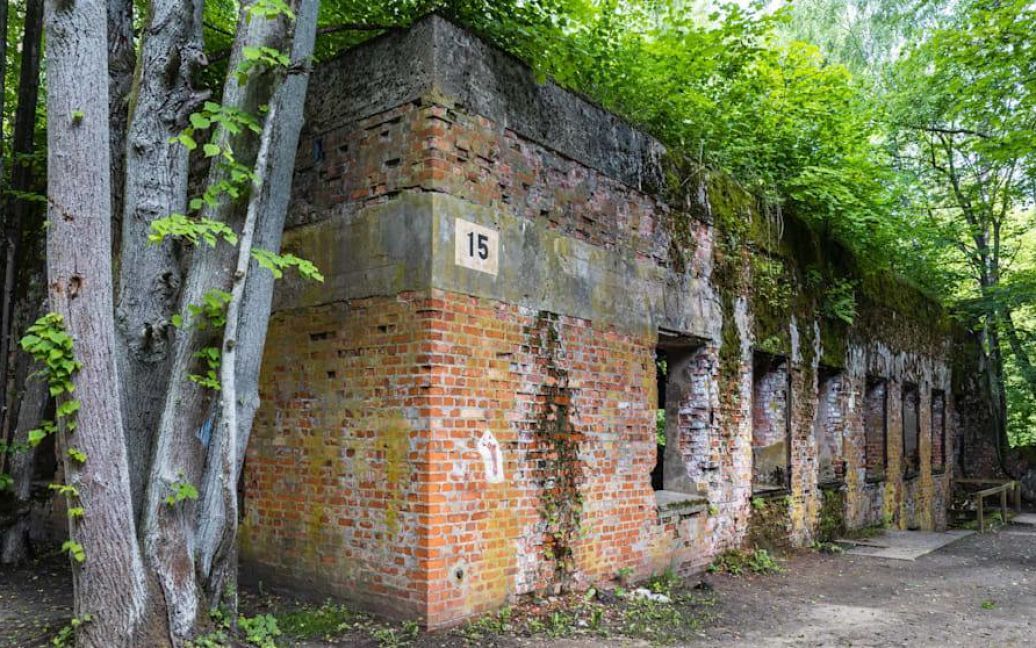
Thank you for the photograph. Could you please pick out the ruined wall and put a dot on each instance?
(465, 411)
(333, 485)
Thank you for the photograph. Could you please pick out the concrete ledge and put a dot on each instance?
(672, 503)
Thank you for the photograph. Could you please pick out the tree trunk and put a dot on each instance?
(4, 215)
(276, 194)
(121, 60)
(156, 186)
(219, 506)
(111, 584)
(31, 404)
(184, 433)
(18, 209)
(217, 519)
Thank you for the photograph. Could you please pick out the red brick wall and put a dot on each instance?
(875, 417)
(333, 473)
(436, 147)
(571, 407)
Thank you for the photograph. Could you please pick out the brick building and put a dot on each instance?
(523, 294)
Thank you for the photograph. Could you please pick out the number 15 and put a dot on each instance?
(482, 242)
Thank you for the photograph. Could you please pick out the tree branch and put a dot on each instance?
(947, 131)
(334, 29)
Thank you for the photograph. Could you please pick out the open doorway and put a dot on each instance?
(683, 415)
(829, 427)
(771, 429)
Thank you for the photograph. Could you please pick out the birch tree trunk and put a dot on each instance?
(156, 186)
(110, 585)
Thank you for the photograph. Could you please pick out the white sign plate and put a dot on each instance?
(476, 247)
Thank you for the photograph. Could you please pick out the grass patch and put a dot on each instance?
(325, 621)
(333, 620)
(594, 614)
(738, 561)
(666, 623)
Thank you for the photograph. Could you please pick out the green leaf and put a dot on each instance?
(181, 490)
(77, 455)
(277, 263)
(68, 408)
(75, 550)
(199, 121)
(64, 489)
(187, 141)
(211, 150)
(36, 437)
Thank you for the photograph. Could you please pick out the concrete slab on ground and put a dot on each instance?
(905, 545)
(1028, 519)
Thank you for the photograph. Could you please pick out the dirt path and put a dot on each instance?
(35, 602)
(979, 591)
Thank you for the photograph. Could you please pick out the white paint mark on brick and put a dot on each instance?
(492, 458)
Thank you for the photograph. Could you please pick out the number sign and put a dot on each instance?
(476, 247)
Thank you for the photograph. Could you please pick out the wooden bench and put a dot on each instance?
(999, 487)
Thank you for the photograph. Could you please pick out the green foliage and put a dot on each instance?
(191, 230)
(624, 574)
(48, 342)
(65, 638)
(75, 550)
(840, 300)
(64, 489)
(212, 312)
(181, 490)
(260, 58)
(396, 637)
(210, 379)
(665, 583)
(36, 435)
(311, 623)
(270, 9)
(960, 104)
(277, 263)
(736, 562)
(260, 631)
(660, 427)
